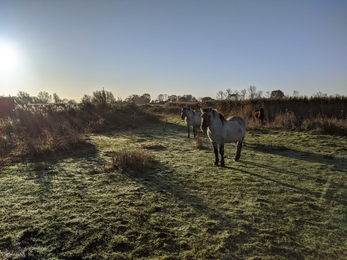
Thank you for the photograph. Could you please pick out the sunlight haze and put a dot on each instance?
(8, 58)
(73, 48)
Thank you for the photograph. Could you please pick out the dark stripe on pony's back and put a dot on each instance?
(222, 118)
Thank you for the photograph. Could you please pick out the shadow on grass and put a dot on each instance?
(332, 187)
(339, 163)
(83, 150)
(163, 181)
(276, 181)
(47, 168)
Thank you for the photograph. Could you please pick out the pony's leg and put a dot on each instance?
(238, 151)
(221, 151)
(215, 149)
(195, 131)
(188, 126)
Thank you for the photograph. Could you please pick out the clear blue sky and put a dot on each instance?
(176, 47)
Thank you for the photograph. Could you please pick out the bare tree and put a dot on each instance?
(205, 99)
(243, 94)
(220, 95)
(228, 94)
(132, 98)
(252, 92)
(23, 98)
(160, 98)
(189, 98)
(295, 93)
(236, 95)
(44, 97)
(103, 98)
(172, 98)
(277, 94)
(259, 94)
(320, 94)
(144, 99)
(56, 98)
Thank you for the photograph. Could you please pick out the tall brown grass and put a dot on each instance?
(325, 125)
(326, 115)
(302, 107)
(35, 133)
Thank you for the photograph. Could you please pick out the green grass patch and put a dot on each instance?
(285, 199)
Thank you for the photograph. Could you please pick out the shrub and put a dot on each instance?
(325, 125)
(137, 160)
(199, 141)
(286, 120)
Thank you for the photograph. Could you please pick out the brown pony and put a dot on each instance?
(258, 115)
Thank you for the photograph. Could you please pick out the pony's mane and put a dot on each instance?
(188, 108)
(221, 117)
(214, 112)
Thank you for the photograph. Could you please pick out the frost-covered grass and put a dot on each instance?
(285, 199)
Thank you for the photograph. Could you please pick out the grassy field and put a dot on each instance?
(285, 199)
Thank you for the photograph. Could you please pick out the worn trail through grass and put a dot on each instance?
(285, 199)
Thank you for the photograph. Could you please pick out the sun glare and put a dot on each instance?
(8, 58)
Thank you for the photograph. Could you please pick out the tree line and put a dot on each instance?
(103, 97)
(245, 94)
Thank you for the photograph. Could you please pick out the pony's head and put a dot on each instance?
(206, 115)
(183, 112)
